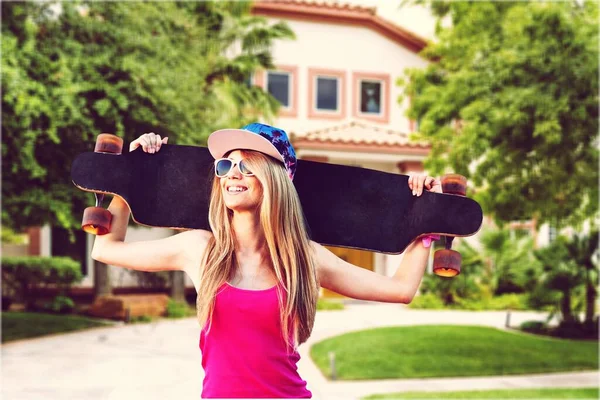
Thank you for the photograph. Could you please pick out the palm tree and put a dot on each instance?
(583, 250)
(560, 273)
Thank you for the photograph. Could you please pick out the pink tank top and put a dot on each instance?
(244, 354)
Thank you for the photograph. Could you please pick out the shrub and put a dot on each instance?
(140, 319)
(505, 302)
(177, 309)
(22, 274)
(537, 327)
(58, 305)
(329, 305)
(510, 301)
(427, 301)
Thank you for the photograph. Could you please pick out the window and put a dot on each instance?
(249, 81)
(326, 94)
(282, 84)
(278, 85)
(551, 233)
(372, 96)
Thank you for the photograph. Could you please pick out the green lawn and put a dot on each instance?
(558, 393)
(23, 325)
(447, 351)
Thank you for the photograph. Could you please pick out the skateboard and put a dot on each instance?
(344, 206)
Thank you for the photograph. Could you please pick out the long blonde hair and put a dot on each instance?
(288, 245)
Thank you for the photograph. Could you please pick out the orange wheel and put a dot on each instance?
(454, 184)
(96, 220)
(108, 143)
(446, 263)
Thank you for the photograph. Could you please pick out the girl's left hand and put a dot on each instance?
(416, 183)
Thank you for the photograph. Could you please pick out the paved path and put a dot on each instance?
(161, 360)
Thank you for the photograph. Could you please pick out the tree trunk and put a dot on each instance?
(102, 285)
(590, 303)
(565, 306)
(178, 286)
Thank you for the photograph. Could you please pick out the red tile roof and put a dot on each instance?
(356, 133)
(316, 11)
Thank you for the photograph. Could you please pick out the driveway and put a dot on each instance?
(161, 360)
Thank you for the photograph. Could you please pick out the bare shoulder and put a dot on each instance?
(194, 243)
(194, 236)
(320, 256)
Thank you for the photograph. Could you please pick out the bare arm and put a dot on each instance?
(183, 251)
(358, 283)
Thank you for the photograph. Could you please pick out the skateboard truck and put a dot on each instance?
(446, 262)
(96, 220)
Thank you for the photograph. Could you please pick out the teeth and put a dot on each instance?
(236, 189)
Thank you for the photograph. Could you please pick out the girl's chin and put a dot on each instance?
(234, 206)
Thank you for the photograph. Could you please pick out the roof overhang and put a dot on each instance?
(339, 14)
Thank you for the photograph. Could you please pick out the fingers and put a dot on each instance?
(150, 142)
(417, 183)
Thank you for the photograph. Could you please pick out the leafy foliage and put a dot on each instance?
(20, 275)
(72, 70)
(512, 103)
(570, 274)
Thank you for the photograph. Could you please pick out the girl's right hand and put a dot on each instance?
(150, 142)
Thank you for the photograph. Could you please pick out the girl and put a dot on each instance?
(257, 274)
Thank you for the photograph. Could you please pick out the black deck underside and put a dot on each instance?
(344, 206)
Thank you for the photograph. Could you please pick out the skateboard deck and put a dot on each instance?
(343, 206)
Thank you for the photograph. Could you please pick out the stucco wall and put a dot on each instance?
(348, 48)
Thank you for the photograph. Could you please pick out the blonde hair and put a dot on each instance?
(288, 246)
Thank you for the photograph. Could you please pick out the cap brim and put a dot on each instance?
(223, 141)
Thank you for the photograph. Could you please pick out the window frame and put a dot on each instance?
(313, 111)
(292, 71)
(384, 80)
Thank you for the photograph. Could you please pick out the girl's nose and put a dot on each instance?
(235, 172)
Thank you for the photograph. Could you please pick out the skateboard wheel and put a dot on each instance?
(108, 143)
(446, 263)
(96, 220)
(454, 184)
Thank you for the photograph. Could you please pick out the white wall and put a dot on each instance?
(346, 48)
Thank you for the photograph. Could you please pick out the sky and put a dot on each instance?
(416, 19)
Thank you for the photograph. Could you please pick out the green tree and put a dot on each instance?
(72, 70)
(511, 101)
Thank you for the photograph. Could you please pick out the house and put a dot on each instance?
(337, 86)
(340, 103)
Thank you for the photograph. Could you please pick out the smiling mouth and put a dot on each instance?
(236, 189)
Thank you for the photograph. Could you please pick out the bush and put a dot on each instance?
(510, 301)
(575, 330)
(537, 327)
(427, 301)
(565, 330)
(176, 309)
(58, 305)
(22, 274)
(329, 305)
(140, 319)
(505, 302)
(62, 304)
